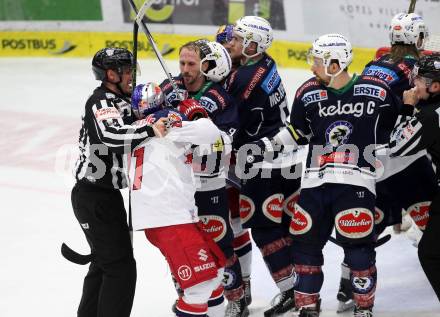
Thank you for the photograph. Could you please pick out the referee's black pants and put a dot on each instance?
(109, 286)
(429, 247)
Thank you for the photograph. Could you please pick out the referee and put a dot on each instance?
(422, 131)
(100, 172)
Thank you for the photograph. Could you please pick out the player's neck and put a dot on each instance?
(341, 80)
(250, 60)
(196, 85)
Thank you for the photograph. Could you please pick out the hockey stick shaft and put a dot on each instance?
(139, 17)
(381, 241)
(412, 6)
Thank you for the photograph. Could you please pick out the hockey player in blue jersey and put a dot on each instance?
(344, 119)
(242, 239)
(408, 34)
(266, 197)
(202, 65)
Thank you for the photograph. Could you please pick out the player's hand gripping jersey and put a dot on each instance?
(344, 128)
(258, 90)
(210, 165)
(163, 184)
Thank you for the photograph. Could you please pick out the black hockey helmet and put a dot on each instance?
(428, 67)
(111, 58)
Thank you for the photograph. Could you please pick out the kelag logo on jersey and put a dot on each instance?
(385, 74)
(272, 81)
(314, 96)
(370, 91)
(338, 133)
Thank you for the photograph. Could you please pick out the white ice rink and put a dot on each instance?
(41, 104)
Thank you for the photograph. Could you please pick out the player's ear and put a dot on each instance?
(111, 75)
(205, 66)
(435, 87)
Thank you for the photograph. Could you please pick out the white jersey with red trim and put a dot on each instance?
(163, 183)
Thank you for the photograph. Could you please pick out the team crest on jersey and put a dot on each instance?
(272, 81)
(209, 104)
(338, 133)
(213, 225)
(273, 207)
(247, 208)
(301, 221)
(289, 203)
(354, 223)
(314, 96)
(420, 214)
(383, 73)
(370, 91)
(378, 216)
(229, 279)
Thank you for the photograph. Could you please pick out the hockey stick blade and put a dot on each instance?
(74, 256)
(381, 241)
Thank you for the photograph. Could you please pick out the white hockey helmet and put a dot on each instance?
(219, 61)
(407, 28)
(332, 47)
(254, 29)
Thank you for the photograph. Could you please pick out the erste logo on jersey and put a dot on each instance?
(273, 207)
(383, 73)
(370, 91)
(272, 81)
(209, 104)
(314, 96)
(214, 226)
(354, 223)
(338, 133)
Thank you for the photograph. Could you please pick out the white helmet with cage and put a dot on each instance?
(219, 61)
(254, 29)
(408, 28)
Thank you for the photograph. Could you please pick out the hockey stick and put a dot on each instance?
(379, 242)
(139, 17)
(74, 256)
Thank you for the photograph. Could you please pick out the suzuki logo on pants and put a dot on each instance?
(202, 255)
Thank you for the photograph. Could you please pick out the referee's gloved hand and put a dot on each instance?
(192, 109)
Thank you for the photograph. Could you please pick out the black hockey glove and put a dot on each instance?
(266, 149)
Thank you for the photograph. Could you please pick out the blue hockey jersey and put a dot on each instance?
(396, 75)
(344, 128)
(261, 99)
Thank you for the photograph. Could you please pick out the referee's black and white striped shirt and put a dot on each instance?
(420, 132)
(104, 139)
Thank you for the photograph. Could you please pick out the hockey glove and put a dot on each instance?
(268, 149)
(192, 109)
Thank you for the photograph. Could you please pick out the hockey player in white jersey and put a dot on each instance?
(161, 171)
